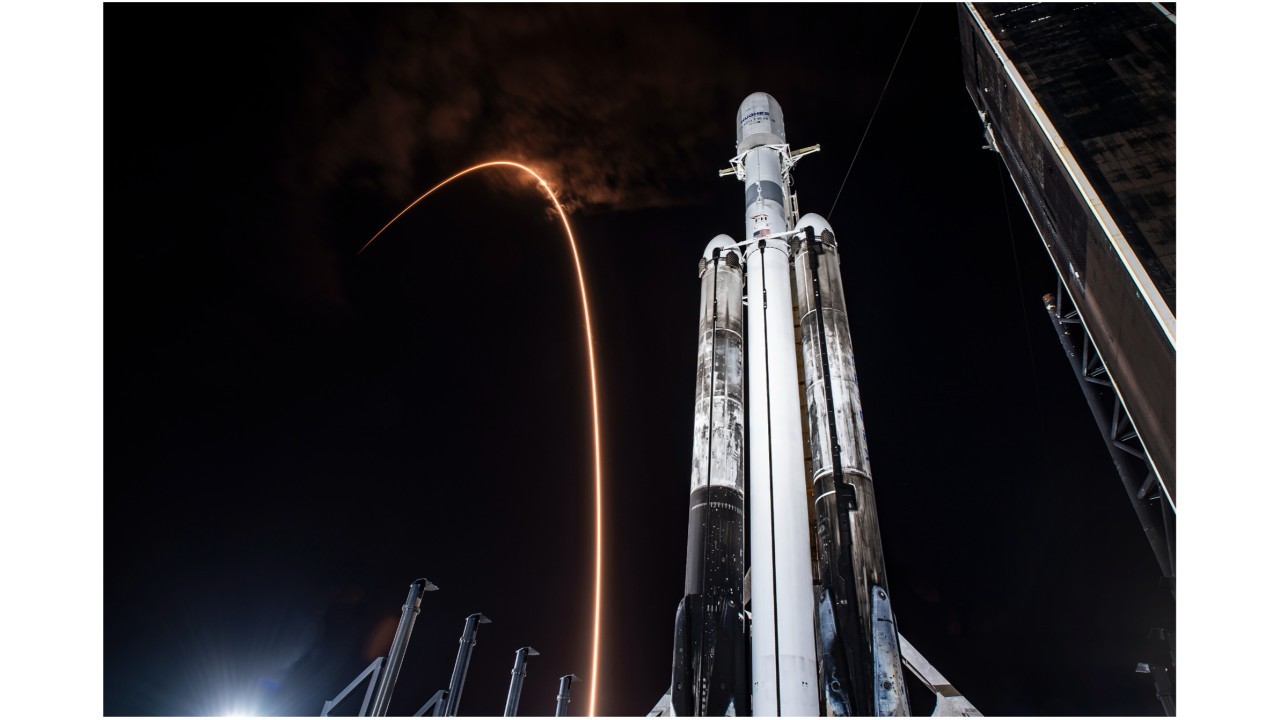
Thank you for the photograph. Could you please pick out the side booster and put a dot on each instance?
(857, 632)
(709, 666)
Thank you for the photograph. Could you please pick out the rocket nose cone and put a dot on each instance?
(757, 99)
(760, 122)
(817, 222)
(723, 243)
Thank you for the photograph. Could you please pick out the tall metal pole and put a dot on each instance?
(517, 680)
(465, 644)
(562, 698)
(395, 657)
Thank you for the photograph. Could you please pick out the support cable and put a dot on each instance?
(1026, 325)
(873, 112)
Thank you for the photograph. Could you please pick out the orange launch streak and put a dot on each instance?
(595, 404)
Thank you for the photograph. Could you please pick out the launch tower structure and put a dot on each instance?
(1080, 102)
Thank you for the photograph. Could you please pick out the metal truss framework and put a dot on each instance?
(372, 672)
(1134, 467)
(1127, 454)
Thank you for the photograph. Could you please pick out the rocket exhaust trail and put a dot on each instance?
(591, 363)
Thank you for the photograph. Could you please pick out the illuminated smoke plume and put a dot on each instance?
(579, 92)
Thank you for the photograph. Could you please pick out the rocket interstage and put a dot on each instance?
(845, 642)
(709, 664)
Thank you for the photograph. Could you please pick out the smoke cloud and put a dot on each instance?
(580, 92)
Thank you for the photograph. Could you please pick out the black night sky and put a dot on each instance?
(296, 432)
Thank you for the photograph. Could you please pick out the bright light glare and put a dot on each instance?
(595, 405)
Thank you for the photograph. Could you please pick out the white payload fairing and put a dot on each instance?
(819, 644)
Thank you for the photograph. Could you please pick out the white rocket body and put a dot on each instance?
(783, 650)
(842, 613)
